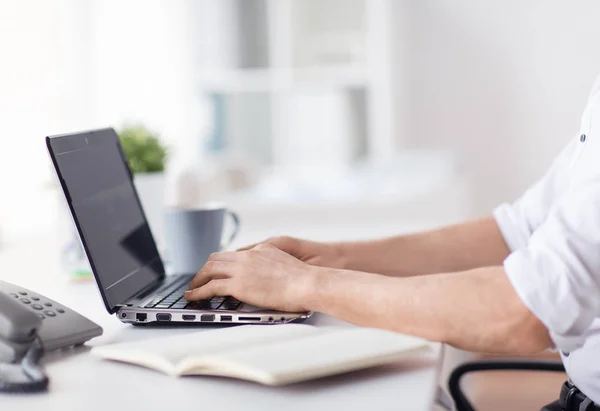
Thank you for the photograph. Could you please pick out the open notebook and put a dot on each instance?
(271, 355)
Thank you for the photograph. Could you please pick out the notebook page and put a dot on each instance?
(312, 356)
(165, 353)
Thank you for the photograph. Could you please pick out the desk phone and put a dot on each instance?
(60, 326)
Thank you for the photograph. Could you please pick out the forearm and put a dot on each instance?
(461, 247)
(476, 310)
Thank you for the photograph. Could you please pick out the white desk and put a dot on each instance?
(80, 381)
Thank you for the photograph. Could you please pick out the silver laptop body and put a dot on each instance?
(98, 187)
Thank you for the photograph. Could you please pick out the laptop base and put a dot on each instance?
(245, 315)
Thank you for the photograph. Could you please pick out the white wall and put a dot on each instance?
(501, 82)
(141, 65)
(30, 101)
(68, 65)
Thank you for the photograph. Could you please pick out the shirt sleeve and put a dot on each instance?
(518, 221)
(557, 275)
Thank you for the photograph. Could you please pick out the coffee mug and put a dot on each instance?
(192, 235)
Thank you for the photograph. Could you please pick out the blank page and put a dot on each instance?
(310, 356)
(174, 349)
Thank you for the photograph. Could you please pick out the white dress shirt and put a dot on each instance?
(553, 232)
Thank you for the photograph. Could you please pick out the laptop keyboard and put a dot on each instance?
(172, 297)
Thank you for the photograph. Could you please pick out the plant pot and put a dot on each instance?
(151, 191)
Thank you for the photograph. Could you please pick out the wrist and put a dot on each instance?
(318, 285)
(341, 255)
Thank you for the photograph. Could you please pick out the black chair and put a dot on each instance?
(460, 400)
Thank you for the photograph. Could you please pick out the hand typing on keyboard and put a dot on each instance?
(263, 276)
(172, 297)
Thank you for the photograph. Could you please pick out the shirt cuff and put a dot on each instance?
(513, 233)
(544, 289)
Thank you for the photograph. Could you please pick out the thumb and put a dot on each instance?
(288, 244)
(248, 247)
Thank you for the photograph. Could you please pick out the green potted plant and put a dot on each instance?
(143, 149)
(147, 158)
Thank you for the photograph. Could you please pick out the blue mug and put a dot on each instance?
(192, 235)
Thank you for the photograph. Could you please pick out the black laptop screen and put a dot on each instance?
(105, 206)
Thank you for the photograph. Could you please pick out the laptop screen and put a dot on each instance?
(112, 225)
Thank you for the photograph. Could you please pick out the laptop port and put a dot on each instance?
(188, 317)
(141, 317)
(207, 318)
(249, 319)
(163, 317)
(226, 318)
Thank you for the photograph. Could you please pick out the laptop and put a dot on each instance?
(98, 186)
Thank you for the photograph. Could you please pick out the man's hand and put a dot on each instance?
(263, 276)
(320, 254)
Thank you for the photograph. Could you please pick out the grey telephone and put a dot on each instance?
(31, 324)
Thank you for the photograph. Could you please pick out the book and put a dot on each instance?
(267, 354)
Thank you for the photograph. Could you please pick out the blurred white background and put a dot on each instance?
(302, 109)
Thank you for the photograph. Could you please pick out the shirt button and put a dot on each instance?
(566, 354)
(582, 138)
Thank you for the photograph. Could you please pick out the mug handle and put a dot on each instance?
(236, 229)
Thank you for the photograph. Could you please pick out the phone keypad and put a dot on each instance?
(37, 306)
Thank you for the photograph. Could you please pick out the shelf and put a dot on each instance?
(268, 80)
(302, 74)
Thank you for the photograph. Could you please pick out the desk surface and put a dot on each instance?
(80, 381)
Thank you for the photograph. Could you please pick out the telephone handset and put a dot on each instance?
(20, 348)
(31, 324)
